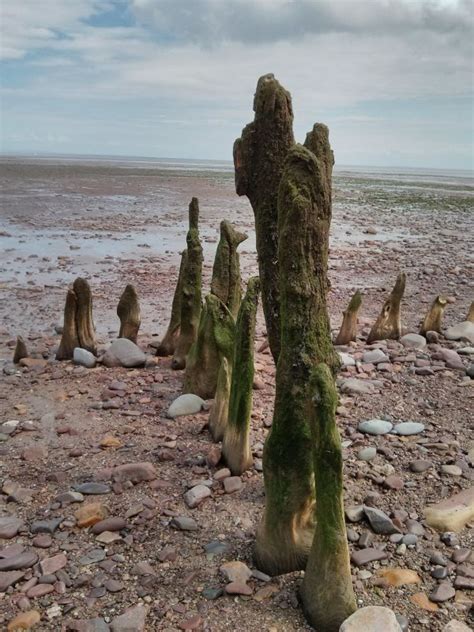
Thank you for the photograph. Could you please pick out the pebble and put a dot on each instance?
(236, 571)
(358, 387)
(379, 521)
(9, 526)
(367, 454)
(92, 557)
(407, 428)
(23, 559)
(453, 513)
(123, 352)
(52, 564)
(232, 484)
(133, 618)
(420, 465)
(183, 523)
(365, 556)
(374, 356)
(451, 470)
(135, 472)
(46, 526)
(461, 555)
(93, 488)
(375, 427)
(399, 576)
(84, 358)
(238, 588)
(24, 621)
(413, 341)
(39, 591)
(187, 404)
(196, 495)
(442, 592)
(89, 514)
(456, 626)
(371, 619)
(114, 523)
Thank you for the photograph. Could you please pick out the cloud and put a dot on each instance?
(180, 75)
(210, 22)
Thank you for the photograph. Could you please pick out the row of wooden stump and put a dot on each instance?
(290, 189)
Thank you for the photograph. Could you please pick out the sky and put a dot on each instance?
(393, 79)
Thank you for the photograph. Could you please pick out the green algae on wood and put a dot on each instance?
(191, 290)
(259, 156)
(326, 593)
(219, 413)
(285, 534)
(215, 340)
(168, 345)
(235, 447)
(128, 311)
(226, 281)
(434, 318)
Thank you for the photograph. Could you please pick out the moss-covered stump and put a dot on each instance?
(226, 282)
(348, 331)
(84, 321)
(219, 413)
(434, 317)
(214, 341)
(168, 345)
(389, 323)
(191, 291)
(236, 446)
(326, 593)
(69, 337)
(128, 310)
(285, 535)
(259, 155)
(20, 350)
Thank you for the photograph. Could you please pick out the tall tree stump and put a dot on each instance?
(191, 290)
(304, 204)
(326, 592)
(128, 310)
(236, 447)
(389, 323)
(259, 155)
(84, 321)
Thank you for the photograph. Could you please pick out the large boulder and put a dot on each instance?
(123, 352)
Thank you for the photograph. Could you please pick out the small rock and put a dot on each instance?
(371, 619)
(24, 621)
(379, 521)
(399, 576)
(52, 564)
(196, 495)
(109, 524)
(187, 404)
(125, 353)
(420, 465)
(236, 572)
(374, 356)
(238, 588)
(90, 514)
(346, 359)
(367, 454)
(93, 488)
(358, 387)
(132, 619)
(46, 526)
(375, 427)
(193, 623)
(232, 484)
(461, 331)
(183, 523)
(9, 526)
(365, 556)
(456, 626)
(24, 559)
(442, 592)
(451, 470)
(421, 600)
(407, 428)
(135, 472)
(84, 358)
(413, 341)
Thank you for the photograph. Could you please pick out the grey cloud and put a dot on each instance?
(210, 22)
